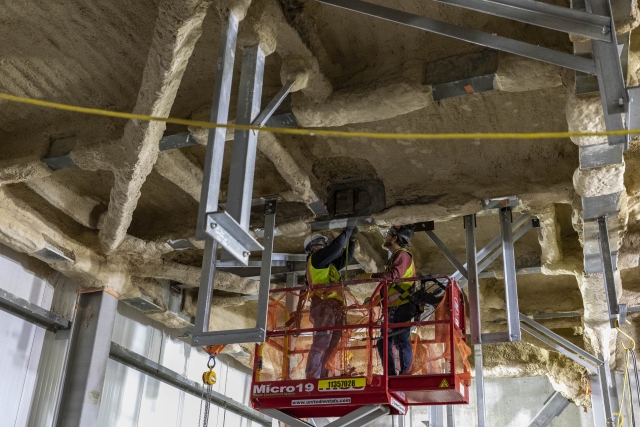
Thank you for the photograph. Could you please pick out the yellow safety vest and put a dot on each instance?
(322, 276)
(396, 298)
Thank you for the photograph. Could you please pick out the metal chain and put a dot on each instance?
(201, 400)
(205, 420)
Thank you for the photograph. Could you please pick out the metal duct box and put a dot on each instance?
(143, 303)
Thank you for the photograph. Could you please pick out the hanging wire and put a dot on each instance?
(627, 381)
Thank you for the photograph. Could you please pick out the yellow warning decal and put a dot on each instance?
(353, 384)
(444, 383)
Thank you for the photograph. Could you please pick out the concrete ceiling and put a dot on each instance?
(113, 213)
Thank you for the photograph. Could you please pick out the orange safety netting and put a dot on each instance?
(285, 357)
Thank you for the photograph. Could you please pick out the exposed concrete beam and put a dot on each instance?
(23, 169)
(177, 30)
(177, 168)
(84, 210)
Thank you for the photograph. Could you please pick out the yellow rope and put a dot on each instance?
(313, 132)
(625, 386)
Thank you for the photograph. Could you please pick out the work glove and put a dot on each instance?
(354, 234)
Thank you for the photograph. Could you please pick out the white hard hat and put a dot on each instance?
(312, 240)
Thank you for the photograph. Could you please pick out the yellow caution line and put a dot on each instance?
(313, 132)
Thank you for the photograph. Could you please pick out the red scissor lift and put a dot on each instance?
(357, 379)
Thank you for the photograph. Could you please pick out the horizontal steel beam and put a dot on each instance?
(340, 223)
(545, 15)
(32, 313)
(234, 336)
(167, 376)
(469, 35)
(520, 271)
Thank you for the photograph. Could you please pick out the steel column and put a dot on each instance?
(553, 406)
(510, 283)
(245, 143)
(87, 362)
(543, 15)
(436, 416)
(607, 268)
(466, 34)
(472, 280)
(212, 171)
(611, 82)
(480, 400)
(207, 278)
(451, 422)
(265, 271)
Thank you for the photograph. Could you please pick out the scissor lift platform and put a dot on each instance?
(358, 378)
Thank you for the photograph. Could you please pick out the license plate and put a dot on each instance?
(352, 384)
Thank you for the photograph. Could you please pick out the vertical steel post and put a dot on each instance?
(212, 172)
(245, 143)
(451, 422)
(87, 362)
(436, 416)
(607, 271)
(265, 270)
(205, 292)
(472, 278)
(510, 283)
(290, 302)
(480, 401)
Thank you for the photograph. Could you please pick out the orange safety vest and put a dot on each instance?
(322, 276)
(397, 298)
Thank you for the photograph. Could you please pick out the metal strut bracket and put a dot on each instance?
(202, 336)
(601, 397)
(511, 288)
(616, 311)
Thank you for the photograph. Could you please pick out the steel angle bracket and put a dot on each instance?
(227, 232)
(500, 202)
(633, 113)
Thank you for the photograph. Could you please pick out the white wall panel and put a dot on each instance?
(20, 341)
(132, 399)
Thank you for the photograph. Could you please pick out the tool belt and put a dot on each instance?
(427, 292)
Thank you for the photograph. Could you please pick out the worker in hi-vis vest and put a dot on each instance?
(324, 262)
(401, 309)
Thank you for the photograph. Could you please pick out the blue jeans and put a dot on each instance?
(401, 340)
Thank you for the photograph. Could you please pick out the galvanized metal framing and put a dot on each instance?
(601, 389)
(611, 82)
(243, 158)
(493, 244)
(510, 281)
(212, 171)
(480, 400)
(607, 268)
(205, 293)
(273, 105)
(553, 406)
(472, 280)
(32, 313)
(87, 362)
(447, 253)
(451, 421)
(201, 335)
(545, 15)
(436, 416)
(172, 378)
(472, 36)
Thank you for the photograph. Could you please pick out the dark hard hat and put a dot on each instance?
(404, 233)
